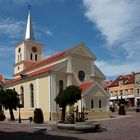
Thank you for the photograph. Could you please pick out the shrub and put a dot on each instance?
(38, 116)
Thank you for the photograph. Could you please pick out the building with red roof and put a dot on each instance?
(1, 81)
(39, 80)
(126, 87)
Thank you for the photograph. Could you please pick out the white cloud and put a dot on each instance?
(117, 69)
(118, 23)
(11, 27)
(115, 19)
(49, 33)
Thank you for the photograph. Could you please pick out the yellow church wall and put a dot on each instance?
(41, 95)
(44, 93)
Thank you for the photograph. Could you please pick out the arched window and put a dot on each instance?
(100, 104)
(22, 96)
(31, 56)
(61, 85)
(36, 57)
(32, 95)
(92, 104)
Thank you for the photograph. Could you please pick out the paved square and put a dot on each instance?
(117, 128)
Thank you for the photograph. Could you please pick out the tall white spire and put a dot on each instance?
(29, 34)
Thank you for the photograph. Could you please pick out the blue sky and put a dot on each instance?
(110, 28)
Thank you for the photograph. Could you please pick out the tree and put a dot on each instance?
(10, 100)
(69, 96)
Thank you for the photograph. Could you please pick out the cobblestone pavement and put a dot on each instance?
(117, 128)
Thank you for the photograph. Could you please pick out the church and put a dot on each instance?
(39, 80)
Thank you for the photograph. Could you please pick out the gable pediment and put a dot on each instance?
(96, 90)
(82, 50)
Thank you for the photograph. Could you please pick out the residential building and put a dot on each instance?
(126, 87)
(137, 89)
(1, 81)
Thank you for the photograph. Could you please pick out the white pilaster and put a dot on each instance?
(69, 71)
(69, 79)
(37, 93)
(49, 84)
(69, 65)
(53, 92)
(92, 70)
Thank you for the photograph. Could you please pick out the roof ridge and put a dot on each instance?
(57, 55)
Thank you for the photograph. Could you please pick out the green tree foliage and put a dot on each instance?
(10, 100)
(69, 96)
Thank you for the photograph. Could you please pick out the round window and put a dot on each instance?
(34, 49)
(81, 75)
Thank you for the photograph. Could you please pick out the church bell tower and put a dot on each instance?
(28, 51)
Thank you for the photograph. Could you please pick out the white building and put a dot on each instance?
(39, 80)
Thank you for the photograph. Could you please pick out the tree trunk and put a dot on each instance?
(12, 118)
(63, 113)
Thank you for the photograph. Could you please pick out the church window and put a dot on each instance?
(81, 75)
(32, 95)
(100, 104)
(61, 85)
(34, 49)
(36, 57)
(22, 96)
(19, 50)
(92, 104)
(31, 56)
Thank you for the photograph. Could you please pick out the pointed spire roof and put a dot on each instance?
(29, 34)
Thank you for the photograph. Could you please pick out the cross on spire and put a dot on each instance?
(29, 6)
(29, 34)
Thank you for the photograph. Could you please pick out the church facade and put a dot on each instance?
(39, 81)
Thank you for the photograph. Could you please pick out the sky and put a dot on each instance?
(110, 28)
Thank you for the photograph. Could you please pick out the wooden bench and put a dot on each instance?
(40, 130)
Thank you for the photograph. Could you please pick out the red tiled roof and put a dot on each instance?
(45, 61)
(127, 79)
(106, 84)
(131, 80)
(1, 78)
(85, 86)
(32, 74)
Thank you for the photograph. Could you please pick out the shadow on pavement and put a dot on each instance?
(32, 136)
